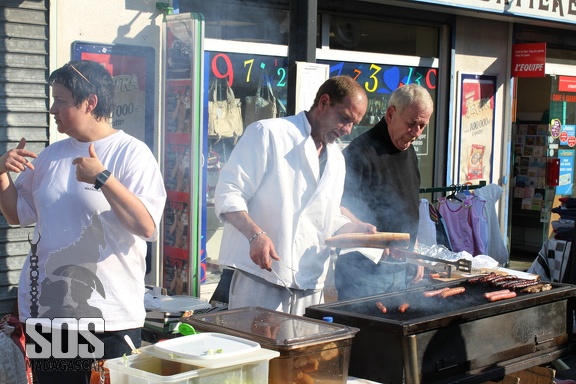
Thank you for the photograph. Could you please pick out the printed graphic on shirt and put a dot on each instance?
(71, 279)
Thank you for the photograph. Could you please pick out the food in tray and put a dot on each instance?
(313, 367)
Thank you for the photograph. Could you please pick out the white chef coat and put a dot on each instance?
(273, 173)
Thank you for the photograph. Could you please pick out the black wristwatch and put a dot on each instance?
(101, 179)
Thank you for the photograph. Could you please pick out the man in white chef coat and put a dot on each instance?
(279, 197)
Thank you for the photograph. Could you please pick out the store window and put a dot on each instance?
(382, 37)
(247, 73)
(243, 21)
(415, 51)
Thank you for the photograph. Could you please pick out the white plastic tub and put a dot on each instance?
(151, 367)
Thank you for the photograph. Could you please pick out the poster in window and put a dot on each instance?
(477, 114)
(132, 69)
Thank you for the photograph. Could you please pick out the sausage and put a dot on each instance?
(475, 279)
(507, 282)
(488, 277)
(435, 292)
(502, 296)
(490, 294)
(452, 292)
(403, 307)
(492, 277)
(503, 278)
(381, 307)
(521, 283)
(524, 284)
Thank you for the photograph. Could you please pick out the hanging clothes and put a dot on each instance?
(426, 226)
(431, 228)
(496, 246)
(441, 232)
(466, 223)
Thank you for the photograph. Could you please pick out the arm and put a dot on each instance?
(128, 208)
(355, 225)
(261, 247)
(14, 160)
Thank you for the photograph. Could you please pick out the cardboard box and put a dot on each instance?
(534, 375)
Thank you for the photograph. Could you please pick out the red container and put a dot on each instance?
(552, 171)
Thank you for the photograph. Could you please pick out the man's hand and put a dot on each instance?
(357, 227)
(262, 251)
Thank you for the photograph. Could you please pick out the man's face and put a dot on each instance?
(338, 120)
(406, 126)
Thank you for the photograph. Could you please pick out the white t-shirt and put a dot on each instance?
(83, 262)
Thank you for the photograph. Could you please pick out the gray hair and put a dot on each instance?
(410, 94)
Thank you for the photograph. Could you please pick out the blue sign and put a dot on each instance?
(565, 182)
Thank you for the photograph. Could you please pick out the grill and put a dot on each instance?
(458, 339)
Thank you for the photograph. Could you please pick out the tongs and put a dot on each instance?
(413, 257)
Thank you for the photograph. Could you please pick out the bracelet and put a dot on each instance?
(255, 236)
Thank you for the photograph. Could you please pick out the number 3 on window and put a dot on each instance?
(376, 69)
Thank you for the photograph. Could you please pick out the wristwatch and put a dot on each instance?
(101, 179)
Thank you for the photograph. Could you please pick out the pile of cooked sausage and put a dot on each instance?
(508, 286)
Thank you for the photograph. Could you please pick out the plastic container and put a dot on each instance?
(166, 316)
(152, 367)
(311, 351)
(206, 346)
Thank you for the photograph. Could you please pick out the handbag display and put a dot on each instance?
(224, 116)
(258, 107)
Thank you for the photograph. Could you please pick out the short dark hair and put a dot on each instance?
(338, 88)
(84, 78)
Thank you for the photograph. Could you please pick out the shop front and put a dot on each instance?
(175, 64)
(448, 49)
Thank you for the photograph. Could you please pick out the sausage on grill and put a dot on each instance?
(381, 307)
(502, 296)
(434, 292)
(452, 292)
(490, 294)
(403, 307)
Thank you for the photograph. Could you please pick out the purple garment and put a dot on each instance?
(466, 224)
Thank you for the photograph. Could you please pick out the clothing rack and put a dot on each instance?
(453, 188)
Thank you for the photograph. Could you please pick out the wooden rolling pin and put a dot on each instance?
(369, 240)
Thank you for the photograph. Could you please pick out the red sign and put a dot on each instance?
(567, 84)
(529, 60)
(564, 136)
(571, 141)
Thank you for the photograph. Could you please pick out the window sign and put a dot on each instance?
(132, 68)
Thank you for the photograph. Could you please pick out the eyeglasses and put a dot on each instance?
(81, 75)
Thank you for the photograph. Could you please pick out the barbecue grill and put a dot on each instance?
(458, 339)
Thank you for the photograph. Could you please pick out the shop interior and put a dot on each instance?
(533, 144)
